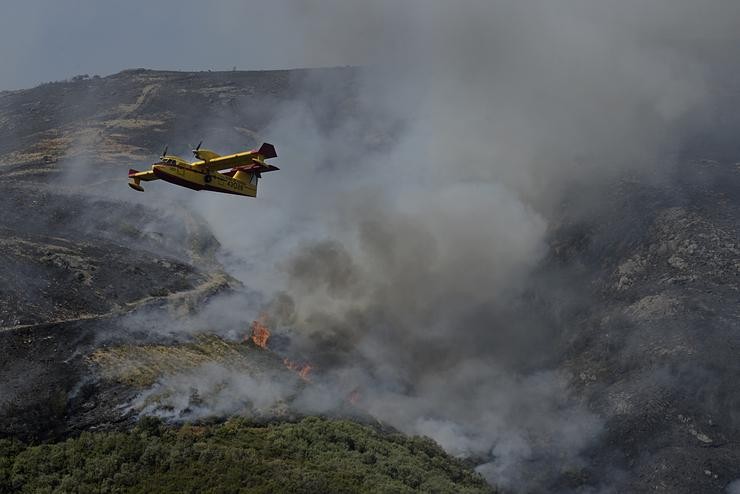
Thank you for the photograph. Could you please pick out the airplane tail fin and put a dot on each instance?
(267, 151)
(131, 171)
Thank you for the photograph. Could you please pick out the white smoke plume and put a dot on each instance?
(213, 390)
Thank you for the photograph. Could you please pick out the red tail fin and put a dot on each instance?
(267, 151)
(131, 171)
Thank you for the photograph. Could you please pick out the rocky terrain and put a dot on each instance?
(642, 292)
(655, 352)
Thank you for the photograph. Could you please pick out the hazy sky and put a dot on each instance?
(46, 40)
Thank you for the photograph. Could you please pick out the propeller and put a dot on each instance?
(195, 151)
(164, 153)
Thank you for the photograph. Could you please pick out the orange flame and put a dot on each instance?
(302, 370)
(260, 333)
(305, 371)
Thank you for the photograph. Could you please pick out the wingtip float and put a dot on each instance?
(208, 173)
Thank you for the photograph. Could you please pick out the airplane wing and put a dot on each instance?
(246, 159)
(146, 176)
(136, 177)
(206, 154)
(223, 162)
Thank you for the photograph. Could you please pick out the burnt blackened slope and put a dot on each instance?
(69, 256)
(43, 375)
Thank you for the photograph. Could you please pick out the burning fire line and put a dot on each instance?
(303, 370)
(260, 335)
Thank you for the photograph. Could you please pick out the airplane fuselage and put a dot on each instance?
(236, 173)
(186, 176)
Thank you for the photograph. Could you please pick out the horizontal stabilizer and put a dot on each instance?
(256, 167)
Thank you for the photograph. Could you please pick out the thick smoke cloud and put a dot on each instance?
(401, 254)
(404, 264)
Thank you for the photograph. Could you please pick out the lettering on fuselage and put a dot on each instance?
(235, 184)
(196, 179)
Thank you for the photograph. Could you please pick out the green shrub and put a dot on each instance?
(311, 456)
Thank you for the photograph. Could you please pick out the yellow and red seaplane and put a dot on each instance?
(245, 170)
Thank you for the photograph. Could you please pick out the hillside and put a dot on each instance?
(110, 306)
(80, 262)
(80, 254)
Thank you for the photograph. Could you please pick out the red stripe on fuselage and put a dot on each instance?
(174, 179)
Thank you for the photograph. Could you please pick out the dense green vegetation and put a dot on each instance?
(311, 456)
